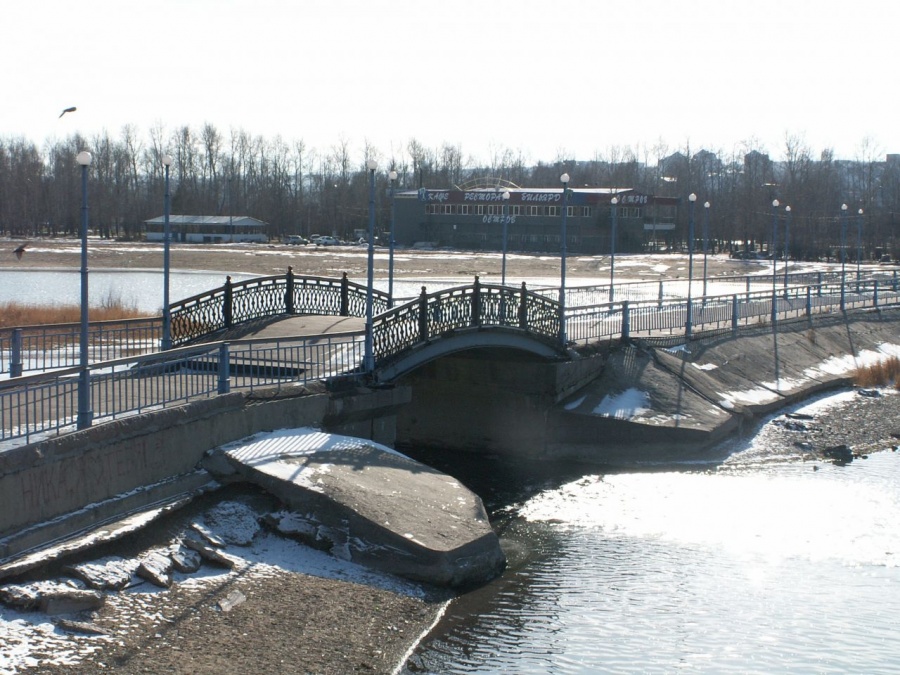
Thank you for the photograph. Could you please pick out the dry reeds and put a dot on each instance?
(15, 314)
(879, 374)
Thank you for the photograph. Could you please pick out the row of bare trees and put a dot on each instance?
(302, 190)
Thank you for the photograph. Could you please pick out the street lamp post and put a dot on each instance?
(858, 246)
(705, 243)
(85, 413)
(564, 179)
(843, 253)
(692, 198)
(167, 239)
(393, 177)
(505, 198)
(369, 354)
(775, 205)
(614, 203)
(787, 245)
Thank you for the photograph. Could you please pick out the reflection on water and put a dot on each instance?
(752, 566)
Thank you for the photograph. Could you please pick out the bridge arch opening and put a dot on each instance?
(480, 400)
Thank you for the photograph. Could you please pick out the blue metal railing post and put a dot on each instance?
(734, 313)
(626, 322)
(659, 300)
(875, 294)
(15, 354)
(809, 300)
(819, 285)
(224, 369)
(85, 412)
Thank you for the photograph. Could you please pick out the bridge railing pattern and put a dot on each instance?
(41, 348)
(35, 406)
(479, 305)
(236, 303)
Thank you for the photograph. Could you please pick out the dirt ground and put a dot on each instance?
(269, 259)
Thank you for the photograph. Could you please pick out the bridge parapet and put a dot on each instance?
(477, 306)
(236, 303)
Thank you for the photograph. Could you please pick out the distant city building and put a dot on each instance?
(208, 229)
(473, 219)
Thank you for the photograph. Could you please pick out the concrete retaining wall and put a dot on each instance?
(61, 486)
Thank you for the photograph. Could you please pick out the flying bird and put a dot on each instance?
(20, 250)
(72, 109)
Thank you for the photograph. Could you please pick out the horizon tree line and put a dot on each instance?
(300, 190)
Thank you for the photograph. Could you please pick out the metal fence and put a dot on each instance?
(27, 349)
(668, 289)
(38, 405)
(630, 318)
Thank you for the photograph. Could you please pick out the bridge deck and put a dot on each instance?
(295, 326)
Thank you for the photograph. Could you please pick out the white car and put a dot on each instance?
(327, 241)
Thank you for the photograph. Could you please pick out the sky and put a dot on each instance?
(580, 80)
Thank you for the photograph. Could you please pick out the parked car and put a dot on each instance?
(327, 241)
(295, 240)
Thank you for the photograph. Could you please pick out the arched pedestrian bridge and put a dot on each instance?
(403, 337)
(214, 351)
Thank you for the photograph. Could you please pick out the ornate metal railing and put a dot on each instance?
(236, 303)
(441, 313)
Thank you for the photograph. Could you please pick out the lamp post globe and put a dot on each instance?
(85, 414)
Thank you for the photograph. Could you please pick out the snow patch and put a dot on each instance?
(625, 406)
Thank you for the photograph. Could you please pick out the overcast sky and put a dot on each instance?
(570, 79)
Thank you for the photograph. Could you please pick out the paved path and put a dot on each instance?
(294, 326)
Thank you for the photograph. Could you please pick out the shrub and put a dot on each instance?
(879, 374)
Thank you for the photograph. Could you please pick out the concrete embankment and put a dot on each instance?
(655, 404)
(636, 403)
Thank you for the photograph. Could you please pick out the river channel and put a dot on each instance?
(762, 563)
